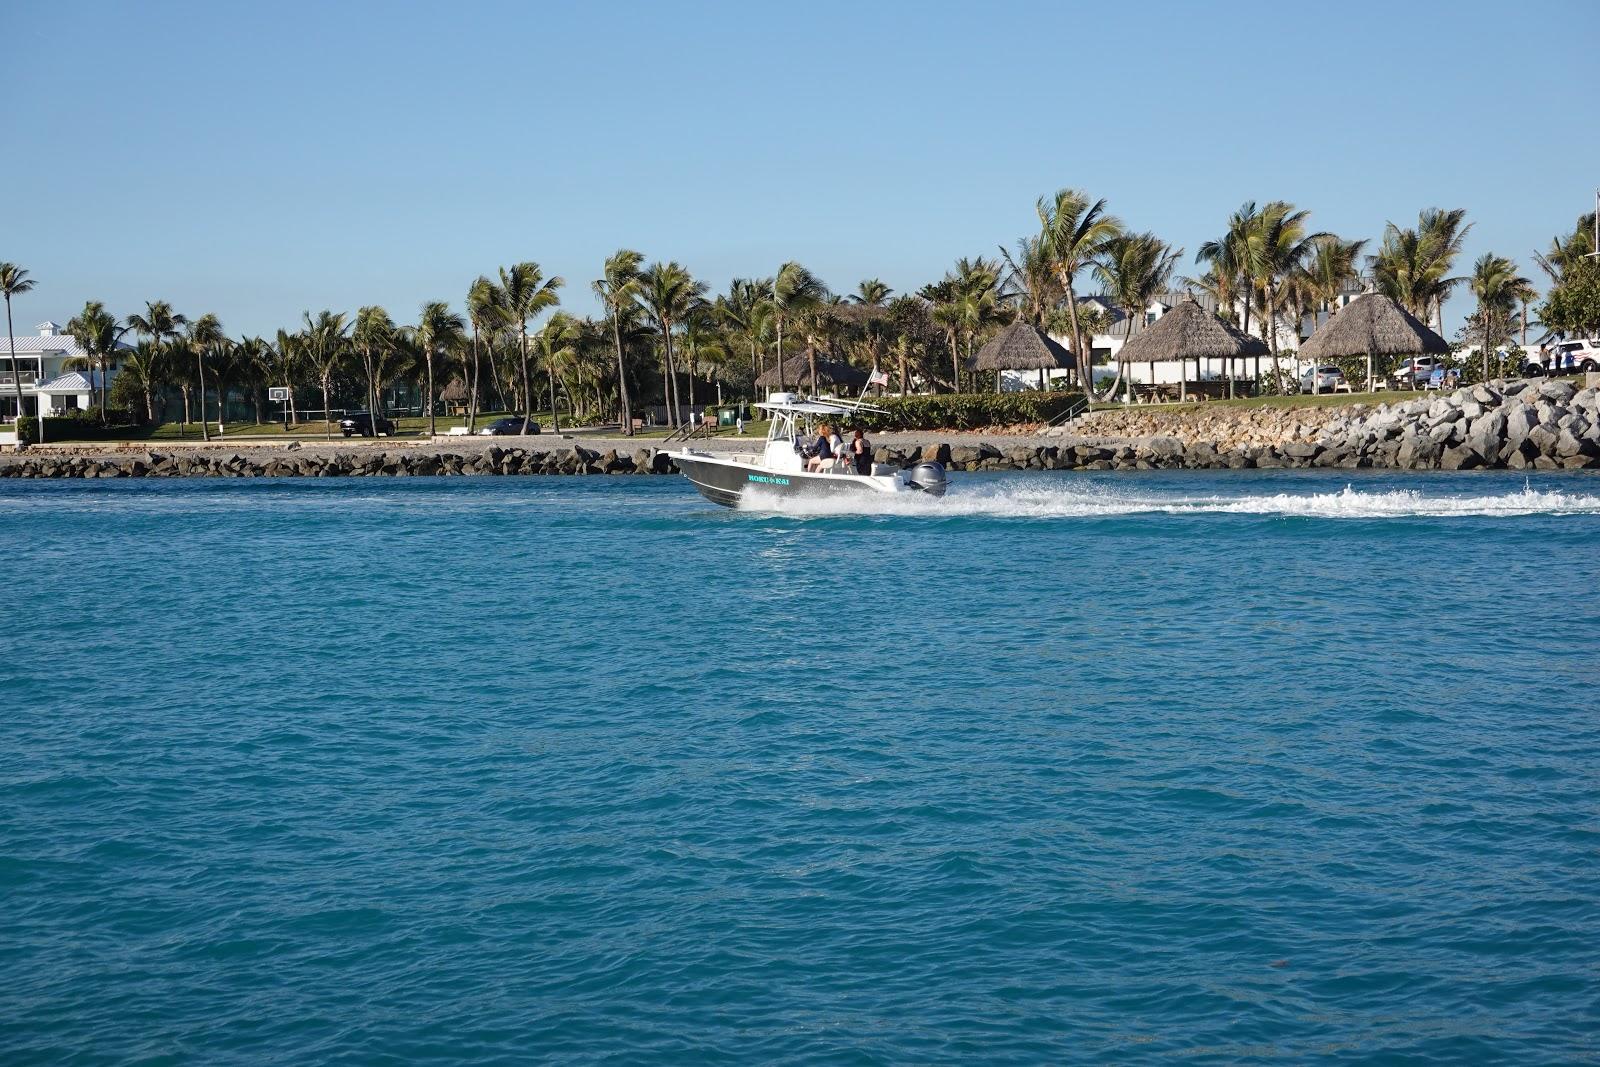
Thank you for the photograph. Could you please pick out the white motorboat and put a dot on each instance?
(780, 469)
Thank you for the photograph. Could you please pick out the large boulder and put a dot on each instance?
(1460, 458)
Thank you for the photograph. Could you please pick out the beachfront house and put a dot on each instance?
(49, 373)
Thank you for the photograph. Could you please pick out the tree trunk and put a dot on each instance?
(666, 383)
(1485, 312)
(432, 427)
(16, 376)
(555, 415)
(200, 375)
(672, 379)
(183, 415)
(149, 404)
(527, 383)
(327, 415)
(1085, 367)
(622, 377)
(903, 375)
(472, 386)
(781, 386)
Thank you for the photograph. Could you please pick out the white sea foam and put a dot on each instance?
(1064, 502)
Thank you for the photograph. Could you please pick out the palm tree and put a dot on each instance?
(288, 367)
(557, 343)
(1498, 288)
(438, 331)
(252, 362)
(14, 281)
(528, 294)
(486, 313)
(326, 344)
(616, 288)
(699, 325)
(203, 334)
(1234, 260)
(228, 360)
(1030, 282)
(1412, 266)
(1283, 248)
(1134, 268)
(372, 334)
(943, 297)
(872, 293)
(667, 291)
(1074, 232)
(1332, 266)
(163, 326)
(95, 330)
(977, 302)
(794, 290)
(748, 310)
(142, 365)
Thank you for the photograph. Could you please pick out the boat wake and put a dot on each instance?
(1061, 502)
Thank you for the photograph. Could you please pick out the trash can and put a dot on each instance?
(727, 416)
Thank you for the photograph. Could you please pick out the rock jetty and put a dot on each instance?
(1519, 425)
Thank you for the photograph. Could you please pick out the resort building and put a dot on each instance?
(51, 374)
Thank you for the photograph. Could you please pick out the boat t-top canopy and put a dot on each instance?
(788, 402)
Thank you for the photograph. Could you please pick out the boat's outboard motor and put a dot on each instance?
(929, 477)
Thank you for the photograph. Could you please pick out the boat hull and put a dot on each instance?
(727, 483)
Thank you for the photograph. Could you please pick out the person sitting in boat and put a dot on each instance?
(837, 444)
(821, 452)
(861, 452)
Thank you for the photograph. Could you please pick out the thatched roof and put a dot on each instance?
(455, 392)
(1189, 331)
(797, 374)
(1373, 325)
(1023, 346)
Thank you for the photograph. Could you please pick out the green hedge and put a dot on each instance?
(965, 411)
(27, 428)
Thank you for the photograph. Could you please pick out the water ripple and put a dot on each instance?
(1228, 767)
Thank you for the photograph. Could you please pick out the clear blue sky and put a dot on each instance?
(259, 160)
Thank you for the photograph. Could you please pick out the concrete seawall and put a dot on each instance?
(1541, 425)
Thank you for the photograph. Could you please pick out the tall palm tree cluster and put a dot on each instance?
(664, 342)
(1572, 263)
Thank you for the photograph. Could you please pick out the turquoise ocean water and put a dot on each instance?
(1196, 767)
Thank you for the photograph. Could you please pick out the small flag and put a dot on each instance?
(877, 377)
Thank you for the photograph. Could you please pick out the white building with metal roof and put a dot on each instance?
(42, 370)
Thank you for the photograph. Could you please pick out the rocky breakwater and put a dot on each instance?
(1547, 424)
(1521, 425)
(292, 461)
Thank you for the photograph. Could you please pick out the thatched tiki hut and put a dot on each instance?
(1023, 346)
(1372, 325)
(796, 372)
(1188, 332)
(455, 397)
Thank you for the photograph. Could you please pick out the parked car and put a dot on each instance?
(1414, 373)
(361, 422)
(511, 426)
(1565, 357)
(1328, 379)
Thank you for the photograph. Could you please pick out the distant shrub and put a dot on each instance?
(27, 428)
(966, 411)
